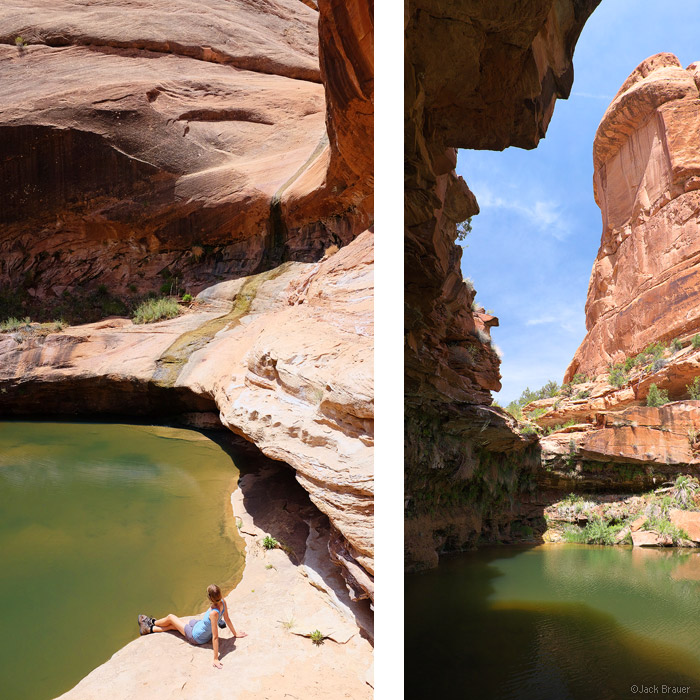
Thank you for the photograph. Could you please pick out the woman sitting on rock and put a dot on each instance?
(195, 631)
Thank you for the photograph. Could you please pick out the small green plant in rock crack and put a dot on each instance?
(317, 637)
(288, 624)
(694, 439)
(270, 542)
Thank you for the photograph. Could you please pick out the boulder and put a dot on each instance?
(688, 521)
(643, 538)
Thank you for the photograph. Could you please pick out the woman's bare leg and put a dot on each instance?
(170, 622)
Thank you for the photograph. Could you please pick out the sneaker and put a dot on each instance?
(146, 624)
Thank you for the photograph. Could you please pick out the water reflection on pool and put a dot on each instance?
(99, 522)
(554, 621)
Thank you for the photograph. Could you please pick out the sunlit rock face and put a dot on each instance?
(140, 136)
(645, 284)
(477, 75)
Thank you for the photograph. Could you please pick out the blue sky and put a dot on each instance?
(532, 247)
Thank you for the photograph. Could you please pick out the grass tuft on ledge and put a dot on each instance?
(153, 310)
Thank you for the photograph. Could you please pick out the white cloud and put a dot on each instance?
(568, 318)
(545, 215)
(592, 96)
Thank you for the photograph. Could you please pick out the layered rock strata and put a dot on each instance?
(481, 75)
(285, 357)
(644, 286)
(189, 138)
(613, 440)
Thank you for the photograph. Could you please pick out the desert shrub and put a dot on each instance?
(658, 365)
(566, 389)
(14, 324)
(464, 229)
(629, 363)
(676, 345)
(469, 283)
(583, 394)
(579, 378)
(595, 532)
(515, 410)
(656, 396)
(317, 637)
(695, 342)
(662, 526)
(684, 488)
(694, 388)
(187, 298)
(155, 310)
(572, 499)
(617, 376)
(651, 352)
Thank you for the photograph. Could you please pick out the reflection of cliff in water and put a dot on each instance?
(558, 621)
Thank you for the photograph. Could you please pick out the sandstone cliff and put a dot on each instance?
(189, 137)
(478, 75)
(226, 144)
(644, 285)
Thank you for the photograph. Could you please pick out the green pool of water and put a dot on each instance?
(99, 523)
(555, 622)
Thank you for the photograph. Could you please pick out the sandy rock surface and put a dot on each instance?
(285, 357)
(274, 599)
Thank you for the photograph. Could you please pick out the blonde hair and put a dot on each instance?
(214, 593)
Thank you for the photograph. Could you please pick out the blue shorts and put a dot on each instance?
(188, 631)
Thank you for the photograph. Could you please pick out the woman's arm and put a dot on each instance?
(230, 624)
(215, 644)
